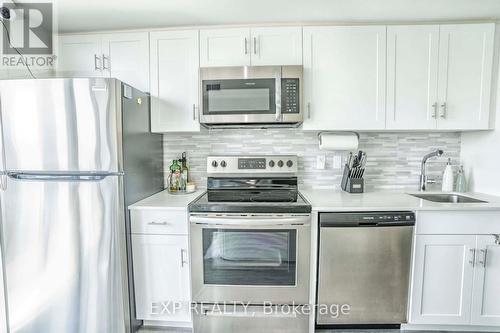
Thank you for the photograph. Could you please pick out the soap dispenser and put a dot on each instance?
(461, 182)
(448, 177)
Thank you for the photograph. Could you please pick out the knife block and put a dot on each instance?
(351, 183)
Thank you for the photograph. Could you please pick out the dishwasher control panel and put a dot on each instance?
(353, 219)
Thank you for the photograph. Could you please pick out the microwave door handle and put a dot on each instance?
(278, 95)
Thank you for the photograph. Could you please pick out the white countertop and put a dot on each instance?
(330, 200)
(165, 200)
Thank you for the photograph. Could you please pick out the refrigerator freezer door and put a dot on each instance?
(61, 125)
(64, 255)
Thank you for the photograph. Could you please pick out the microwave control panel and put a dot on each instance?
(290, 95)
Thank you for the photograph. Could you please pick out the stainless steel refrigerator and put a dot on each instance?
(74, 154)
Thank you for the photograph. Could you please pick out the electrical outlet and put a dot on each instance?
(337, 162)
(320, 162)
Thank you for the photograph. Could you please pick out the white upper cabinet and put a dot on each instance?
(276, 46)
(264, 46)
(126, 57)
(79, 55)
(465, 71)
(442, 279)
(225, 47)
(174, 81)
(485, 298)
(412, 76)
(344, 77)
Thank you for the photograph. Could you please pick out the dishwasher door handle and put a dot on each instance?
(367, 224)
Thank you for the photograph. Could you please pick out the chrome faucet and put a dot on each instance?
(423, 176)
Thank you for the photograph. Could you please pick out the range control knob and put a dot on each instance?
(214, 164)
(272, 164)
(280, 163)
(223, 163)
(289, 163)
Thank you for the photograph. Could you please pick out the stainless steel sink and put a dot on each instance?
(447, 198)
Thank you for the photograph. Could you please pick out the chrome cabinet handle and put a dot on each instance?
(194, 111)
(255, 45)
(434, 111)
(443, 110)
(97, 63)
(482, 261)
(104, 59)
(158, 223)
(472, 259)
(183, 262)
(308, 110)
(246, 47)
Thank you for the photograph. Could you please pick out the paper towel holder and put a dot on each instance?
(336, 133)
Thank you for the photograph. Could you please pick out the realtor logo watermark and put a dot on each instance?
(27, 34)
(167, 308)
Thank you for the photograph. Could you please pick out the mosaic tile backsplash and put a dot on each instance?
(393, 158)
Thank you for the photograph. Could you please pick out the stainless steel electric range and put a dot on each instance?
(250, 244)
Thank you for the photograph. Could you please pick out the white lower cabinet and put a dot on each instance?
(486, 293)
(161, 270)
(456, 280)
(442, 281)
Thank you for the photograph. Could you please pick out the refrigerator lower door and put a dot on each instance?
(64, 254)
(68, 125)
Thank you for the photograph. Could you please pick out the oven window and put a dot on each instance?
(243, 257)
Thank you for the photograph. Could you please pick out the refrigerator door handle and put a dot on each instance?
(3, 172)
(91, 177)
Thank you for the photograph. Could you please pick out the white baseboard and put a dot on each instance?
(458, 328)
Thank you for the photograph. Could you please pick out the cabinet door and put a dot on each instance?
(465, 71)
(225, 47)
(486, 295)
(412, 76)
(276, 46)
(126, 57)
(344, 77)
(442, 279)
(174, 81)
(161, 277)
(79, 55)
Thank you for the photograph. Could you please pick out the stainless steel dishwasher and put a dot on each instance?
(364, 265)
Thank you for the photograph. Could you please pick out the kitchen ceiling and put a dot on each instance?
(93, 15)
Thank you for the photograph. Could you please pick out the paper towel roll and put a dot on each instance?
(338, 141)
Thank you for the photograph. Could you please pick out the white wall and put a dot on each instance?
(480, 151)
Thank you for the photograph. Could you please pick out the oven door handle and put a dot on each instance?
(252, 313)
(251, 221)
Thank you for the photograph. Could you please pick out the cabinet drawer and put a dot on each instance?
(159, 222)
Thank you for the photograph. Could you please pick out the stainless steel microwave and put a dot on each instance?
(251, 96)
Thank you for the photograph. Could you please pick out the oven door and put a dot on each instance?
(250, 258)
